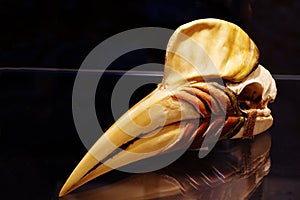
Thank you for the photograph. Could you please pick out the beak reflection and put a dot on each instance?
(233, 170)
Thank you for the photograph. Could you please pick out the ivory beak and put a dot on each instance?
(180, 108)
(151, 127)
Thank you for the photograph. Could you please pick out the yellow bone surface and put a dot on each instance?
(210, 48)
(197, 51)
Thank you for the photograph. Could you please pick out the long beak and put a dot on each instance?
(151, 127)
(167, 119)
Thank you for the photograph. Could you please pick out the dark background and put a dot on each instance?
(39, 145)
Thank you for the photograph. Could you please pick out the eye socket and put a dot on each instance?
(251, 96)
(243, 105)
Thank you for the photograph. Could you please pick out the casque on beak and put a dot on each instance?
(177, 113)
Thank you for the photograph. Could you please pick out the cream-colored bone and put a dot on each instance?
(209, 48)
(197, 51)
(266, 93)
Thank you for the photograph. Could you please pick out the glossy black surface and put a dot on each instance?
(39, 145)
(233, 170)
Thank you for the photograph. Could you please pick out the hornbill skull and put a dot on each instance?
(178, 113)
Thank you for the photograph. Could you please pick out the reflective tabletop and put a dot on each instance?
(40, 147)
(233, 170)
(44, 43)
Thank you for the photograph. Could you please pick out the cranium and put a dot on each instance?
(178, 113)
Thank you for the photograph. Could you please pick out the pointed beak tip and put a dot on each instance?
(63, 192)
(104, 155)
(66, 189)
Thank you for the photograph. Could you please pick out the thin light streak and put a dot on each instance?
(75, 71)
(279, 77)
(286, 77)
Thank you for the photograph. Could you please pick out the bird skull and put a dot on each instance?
(178, 113)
